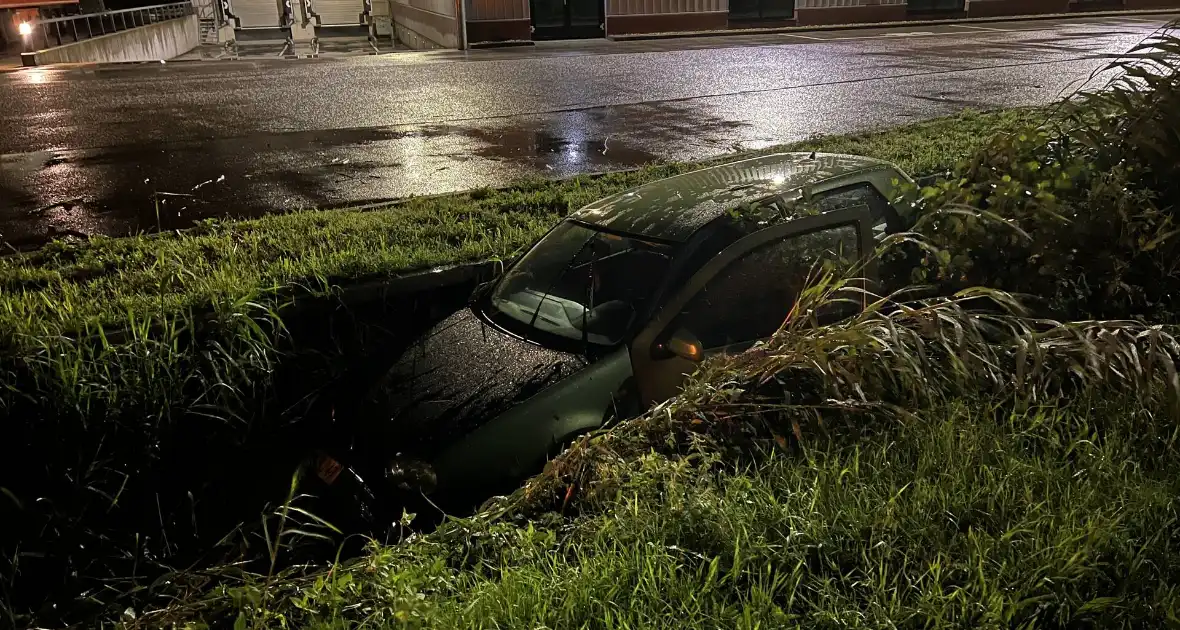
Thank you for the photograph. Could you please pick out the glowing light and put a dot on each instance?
(778, 179)
(25, 29)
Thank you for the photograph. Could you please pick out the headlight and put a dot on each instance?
(25, 29)
(411, 475)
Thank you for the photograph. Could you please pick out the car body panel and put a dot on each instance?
(516, 441)
(461, 373)
(879, 174)
(673, 209)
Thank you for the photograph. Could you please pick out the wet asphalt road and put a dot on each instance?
(274, 135)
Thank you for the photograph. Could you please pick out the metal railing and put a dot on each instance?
(76, 28)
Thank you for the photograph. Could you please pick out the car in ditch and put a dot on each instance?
(605, 315)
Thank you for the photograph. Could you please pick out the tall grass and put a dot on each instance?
(892, 358)
(1034, 497)
(1087, 204)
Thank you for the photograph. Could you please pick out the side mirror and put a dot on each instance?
(681, 343)
(481, 290)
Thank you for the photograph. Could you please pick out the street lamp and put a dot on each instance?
(26, 35)
(27, 56)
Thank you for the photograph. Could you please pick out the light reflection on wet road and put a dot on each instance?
(293, 134)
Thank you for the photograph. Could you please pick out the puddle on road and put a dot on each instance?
(110, 191)
(542, 149)
(950, 98)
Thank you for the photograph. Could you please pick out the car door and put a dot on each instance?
(743, 295)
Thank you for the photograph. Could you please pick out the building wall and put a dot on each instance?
(498, 21)
(1152, 4)
(425, 24)
(487, 10)
(817, 12)
(655, 16)
(505, 20)
(998, 8)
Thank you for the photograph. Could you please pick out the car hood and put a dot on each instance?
(459, 375)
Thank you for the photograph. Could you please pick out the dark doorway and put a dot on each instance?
(936, 6)
(759, 10)
(568, 19)
(1096, 5)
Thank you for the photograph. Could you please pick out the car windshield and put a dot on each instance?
(582, 284)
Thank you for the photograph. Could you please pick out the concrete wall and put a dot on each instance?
(425, 24)
(163, 40)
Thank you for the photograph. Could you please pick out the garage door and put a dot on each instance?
(921, 6)
(339, 12)
(740, 10)
(257, 13)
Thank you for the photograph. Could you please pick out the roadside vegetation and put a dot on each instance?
(948, 496)
(923, 465)
(146, 377)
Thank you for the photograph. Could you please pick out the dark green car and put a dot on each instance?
(608, 312)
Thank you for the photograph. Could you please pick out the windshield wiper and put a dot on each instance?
(548, 289)
(609, 256)
(589, 306)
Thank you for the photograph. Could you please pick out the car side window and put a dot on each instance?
(891, 275)
(752, 297)
(862, 194)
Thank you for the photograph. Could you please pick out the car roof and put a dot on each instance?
(673, 209)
